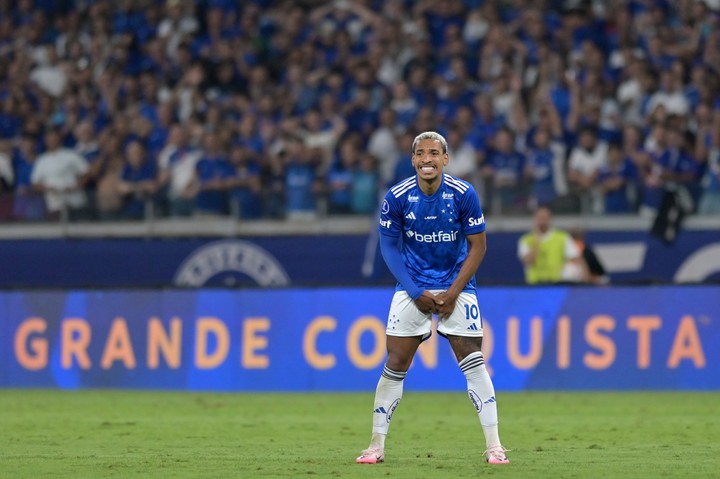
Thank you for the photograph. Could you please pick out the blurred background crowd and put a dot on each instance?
(298, 109)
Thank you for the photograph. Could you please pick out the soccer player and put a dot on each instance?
(432, 237)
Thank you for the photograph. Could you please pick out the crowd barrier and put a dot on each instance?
(332, 339)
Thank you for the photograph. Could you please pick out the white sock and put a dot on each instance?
(482, 395)
(387, 397)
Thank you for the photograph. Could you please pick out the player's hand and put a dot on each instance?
(444, 304)
(427, 303)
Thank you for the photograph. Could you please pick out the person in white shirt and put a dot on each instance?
(586, 160)
(670, 96)
(176, 171)
(59, 173)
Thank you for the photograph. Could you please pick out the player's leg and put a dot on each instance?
(388, 394)
(464, 332)
(407, 327)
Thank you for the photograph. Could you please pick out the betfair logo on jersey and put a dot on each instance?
(476, 221)
(385, 223)
(434, 237)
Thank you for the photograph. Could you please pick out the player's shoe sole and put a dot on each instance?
(371, 456)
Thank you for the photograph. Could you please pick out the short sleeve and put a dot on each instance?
(471, 214)
(390, 216)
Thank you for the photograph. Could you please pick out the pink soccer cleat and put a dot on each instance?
(372, 455)
(496, 455)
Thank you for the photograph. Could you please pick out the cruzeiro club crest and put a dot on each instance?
(230, 257)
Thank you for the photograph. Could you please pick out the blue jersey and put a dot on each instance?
(432, 229)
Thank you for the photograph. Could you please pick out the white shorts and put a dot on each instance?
(405, 319)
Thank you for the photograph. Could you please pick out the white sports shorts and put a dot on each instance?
(405, 319)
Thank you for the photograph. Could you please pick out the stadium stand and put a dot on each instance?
(275, 109)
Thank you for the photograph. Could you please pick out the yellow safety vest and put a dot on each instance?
(550, 258)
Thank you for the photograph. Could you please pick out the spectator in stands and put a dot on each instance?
(650, 172)
(545, 169)
(465, 160)
(303, 184)
(617, 182)
(670, 96)
(365, 186)
(28, 203)
(710, 199)
(682, 168)
(584, 165)
(340, 178)
(403, 104)
(109, 199)
(138, 182)
(133, 73)
(273, 181)
(404, 168)
(504, 170)
(178, 25)
(213, 178)
(547, 253)
(59, 173)
(87, 146)
(705, 127)
(245, 192)
(176, 171)
(383, 144)
(671, 165)
(317, 136)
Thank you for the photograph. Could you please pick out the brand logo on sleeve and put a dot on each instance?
(476, 221)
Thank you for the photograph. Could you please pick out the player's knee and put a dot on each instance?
(399, 363)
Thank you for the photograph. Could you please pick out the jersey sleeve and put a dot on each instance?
(390, 216)
(471, 214)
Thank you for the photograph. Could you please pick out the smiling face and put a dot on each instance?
(429, 159)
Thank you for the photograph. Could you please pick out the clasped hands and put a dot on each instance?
(442, 303)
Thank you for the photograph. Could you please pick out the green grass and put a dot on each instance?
(76, 434)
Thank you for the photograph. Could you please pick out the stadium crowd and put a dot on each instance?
(289, 108)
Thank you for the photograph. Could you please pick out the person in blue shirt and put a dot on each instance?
(214, 174)
(544, 165)
(339, 180)
(432, 237)
(246, 185)
(29, 204)
(616, 181)
(364, 190)
(137, 181)
(504, 171)
(302, 182)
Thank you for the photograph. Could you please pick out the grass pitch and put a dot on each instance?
(95, 434)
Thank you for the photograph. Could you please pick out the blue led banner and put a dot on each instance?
(302, 261)
(333, 339)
